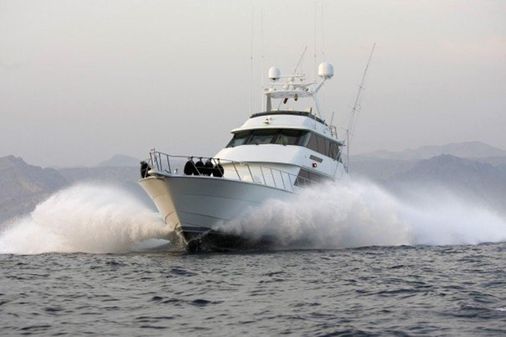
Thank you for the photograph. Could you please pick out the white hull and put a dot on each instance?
(196, 205)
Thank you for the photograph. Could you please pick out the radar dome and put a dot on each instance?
(325, 70)
(274, 73)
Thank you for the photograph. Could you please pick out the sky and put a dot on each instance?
(81, 81)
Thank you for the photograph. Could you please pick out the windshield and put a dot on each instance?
(269, 136)
(304, 138)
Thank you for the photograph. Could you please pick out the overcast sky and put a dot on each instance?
(83, 80)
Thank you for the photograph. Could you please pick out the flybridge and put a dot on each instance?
(294, 86)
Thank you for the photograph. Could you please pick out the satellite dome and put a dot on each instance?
(274, 73)
(325, 70)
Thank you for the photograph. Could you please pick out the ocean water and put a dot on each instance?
(91, 260)
(371, 291)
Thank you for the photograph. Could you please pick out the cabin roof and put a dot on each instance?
(289, 112)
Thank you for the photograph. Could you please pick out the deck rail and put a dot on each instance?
(257, 173)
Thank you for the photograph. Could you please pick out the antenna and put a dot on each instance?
(300, 60)
(314, 33)
(251, 60)
(356, 106)
(262, 54)
(322, 30)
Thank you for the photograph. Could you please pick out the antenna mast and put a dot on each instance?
(356, 106)
(300, 60)
(251, 59)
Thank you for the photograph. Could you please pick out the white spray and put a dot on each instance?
(98, 219)
(83, 218)
(357, 213)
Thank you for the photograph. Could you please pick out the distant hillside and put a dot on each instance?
(119, 160)
(22, 186)
(379, 169)
(470, 178)
(101, 174)
(463, 150)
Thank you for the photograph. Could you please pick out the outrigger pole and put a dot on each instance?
(356, 108)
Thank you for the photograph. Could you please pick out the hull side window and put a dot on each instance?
(305, 178)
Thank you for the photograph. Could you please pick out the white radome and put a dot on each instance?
(325, 70)
(274, 73)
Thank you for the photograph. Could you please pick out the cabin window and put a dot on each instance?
(305, 138)
(239, 138)
(313, 142)
(324, 146)
(290, 137)
(269, 136)
(266, 136)
(335, 152)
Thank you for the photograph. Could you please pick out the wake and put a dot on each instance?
(83, 218)
(352, 213)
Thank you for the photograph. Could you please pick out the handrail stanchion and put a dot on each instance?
(290, 181)
(251, 174)
(156, 162)
(273, 179)
(168, 163)
(282, 180)
(237, 172)
(263, 176)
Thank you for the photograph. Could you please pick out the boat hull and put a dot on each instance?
(196, 206)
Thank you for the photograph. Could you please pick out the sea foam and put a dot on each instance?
(348, 213)
(83, 218)
(355, 213)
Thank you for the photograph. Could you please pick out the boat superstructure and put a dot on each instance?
(274, 154)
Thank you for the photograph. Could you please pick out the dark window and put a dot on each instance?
(323, 145)
(269, 136)
(289, 137)
(266, 136)
(239, 138)
(308, 139)
(334, 151)
(313, 142)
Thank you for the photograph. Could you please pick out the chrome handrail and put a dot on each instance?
(155, 162)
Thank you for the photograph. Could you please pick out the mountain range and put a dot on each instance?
(470, 150)
(473, 169)
(23, 186)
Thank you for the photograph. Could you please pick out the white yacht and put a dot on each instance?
(274, 154)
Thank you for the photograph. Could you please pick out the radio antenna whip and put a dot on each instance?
(300, 60)
(356, 107)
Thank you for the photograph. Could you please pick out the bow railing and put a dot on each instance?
(257, 173)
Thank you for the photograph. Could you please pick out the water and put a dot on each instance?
(433, 266)
(375, 291)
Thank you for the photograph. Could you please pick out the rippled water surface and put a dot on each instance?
(376, 291)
